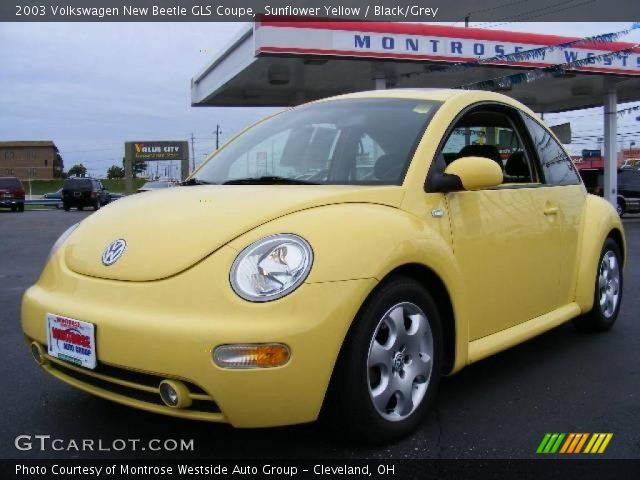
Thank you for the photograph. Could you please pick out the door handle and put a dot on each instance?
(551, 210)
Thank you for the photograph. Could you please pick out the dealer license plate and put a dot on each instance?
(71, 340)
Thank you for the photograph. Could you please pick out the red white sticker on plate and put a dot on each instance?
(71, 340)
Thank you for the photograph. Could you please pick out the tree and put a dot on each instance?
(58, 167)
(115, 171)
(138, 167)
(78, 170)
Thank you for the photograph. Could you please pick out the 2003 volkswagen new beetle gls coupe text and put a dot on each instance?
(333, 260)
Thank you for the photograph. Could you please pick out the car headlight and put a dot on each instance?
(271, 267)
(61, 239)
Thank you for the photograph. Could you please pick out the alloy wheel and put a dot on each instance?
(609, 284)
(400, 361)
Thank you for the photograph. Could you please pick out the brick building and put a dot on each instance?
(36, 160)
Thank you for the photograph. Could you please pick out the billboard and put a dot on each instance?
(157, 150)
(153, 151)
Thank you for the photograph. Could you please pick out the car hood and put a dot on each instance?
(168, 231)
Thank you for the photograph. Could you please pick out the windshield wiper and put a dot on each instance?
(268, 179)
(194, 181)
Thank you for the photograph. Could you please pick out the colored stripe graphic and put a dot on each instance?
(591, 442)
(568, 442)
(581, 443)
(574, 443)
(604, 445)
(555, 447)
(550, 443)
(543, 443)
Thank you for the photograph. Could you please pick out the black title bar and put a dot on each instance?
(476, 13)
(547, 469)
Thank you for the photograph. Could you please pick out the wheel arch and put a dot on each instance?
(438, 290)
(616, 235)
(601, 222)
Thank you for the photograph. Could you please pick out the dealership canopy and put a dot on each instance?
(283, 63)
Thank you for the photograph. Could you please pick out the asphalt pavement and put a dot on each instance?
(501, 407)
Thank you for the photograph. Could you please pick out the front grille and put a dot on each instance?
(146, 379)
(138, 386)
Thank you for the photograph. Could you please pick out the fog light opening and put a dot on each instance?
(267, 355)
(174, 394)
(37, 353)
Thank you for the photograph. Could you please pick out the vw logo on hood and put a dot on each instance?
(113, 252)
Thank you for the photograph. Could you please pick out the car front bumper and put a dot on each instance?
(168, 329)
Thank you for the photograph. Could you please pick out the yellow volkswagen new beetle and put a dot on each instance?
(337, 258)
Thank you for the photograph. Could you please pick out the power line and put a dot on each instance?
(544, 10)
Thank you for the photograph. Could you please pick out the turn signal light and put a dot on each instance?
(251, 356)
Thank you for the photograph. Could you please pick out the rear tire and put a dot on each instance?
(388, 371)
(14, 208)
(81, 208)
(96, 205)
(607, 295)
(66, 207)
(621, 208)
(21, 207)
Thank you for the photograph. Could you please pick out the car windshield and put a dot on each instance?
(343, 142)
(156, 185)
(10, 183)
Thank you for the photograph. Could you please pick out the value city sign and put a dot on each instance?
(152, 151)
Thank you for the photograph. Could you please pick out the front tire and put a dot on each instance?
(96, 205)
(621, 208)
(21, 207)
(607, 295)
(388, 371)
(66, 207)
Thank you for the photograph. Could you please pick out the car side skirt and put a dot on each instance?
(491, 344)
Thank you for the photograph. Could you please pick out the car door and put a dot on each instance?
(564, 194)
(505, 238)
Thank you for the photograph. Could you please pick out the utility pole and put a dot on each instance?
(218, 133)
(193, 155)
(466, 20)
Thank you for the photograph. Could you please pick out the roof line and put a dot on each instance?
(225, 52)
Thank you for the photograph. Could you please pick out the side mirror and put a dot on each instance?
(470, 173)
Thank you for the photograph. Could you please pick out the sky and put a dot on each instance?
(90, 87)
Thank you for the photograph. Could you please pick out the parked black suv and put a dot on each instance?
(628, 187)
(11, 194)
(84, 192)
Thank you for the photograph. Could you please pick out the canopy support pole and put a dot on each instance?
(610, 155)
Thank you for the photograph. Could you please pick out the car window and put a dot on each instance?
(557, 167)
(491, 134)
(630, 179)
(77, 183)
